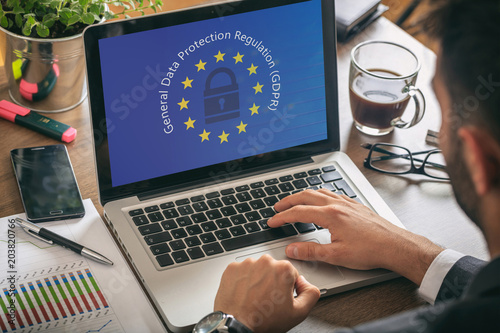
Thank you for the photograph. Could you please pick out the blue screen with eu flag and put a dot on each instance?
(207, 92)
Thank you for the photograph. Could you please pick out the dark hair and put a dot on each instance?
(469, 36)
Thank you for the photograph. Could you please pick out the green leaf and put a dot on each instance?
(95, 9)
(4, 22)
(88, 18)
(83, 3)
(27, 29)
(73, 19)
(18, 10)
(109, 16)
(19, 20)
(42, 30)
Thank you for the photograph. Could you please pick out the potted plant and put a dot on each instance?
(43, 48)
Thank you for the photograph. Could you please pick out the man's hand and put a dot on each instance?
(360, 239)
(259, 294)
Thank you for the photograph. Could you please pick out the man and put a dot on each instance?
(259, 293)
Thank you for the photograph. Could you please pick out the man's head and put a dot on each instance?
(467, 84)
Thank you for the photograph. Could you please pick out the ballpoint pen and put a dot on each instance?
(50, 237)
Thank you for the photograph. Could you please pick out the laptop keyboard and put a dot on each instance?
(205, 225)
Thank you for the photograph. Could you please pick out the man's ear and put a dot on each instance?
(482, 156)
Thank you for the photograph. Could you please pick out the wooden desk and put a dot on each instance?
(424, 206)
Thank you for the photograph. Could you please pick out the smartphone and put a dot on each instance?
(47, 183)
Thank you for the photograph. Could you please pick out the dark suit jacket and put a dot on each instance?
(468, 301)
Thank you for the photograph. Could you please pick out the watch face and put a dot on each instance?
(209, 322)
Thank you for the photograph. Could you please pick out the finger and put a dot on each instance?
(307, 296)
(309, 251)
(307, 197)
(321, 215)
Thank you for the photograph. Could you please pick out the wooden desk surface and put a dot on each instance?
(424, 206)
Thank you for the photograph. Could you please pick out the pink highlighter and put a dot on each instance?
(32, 120)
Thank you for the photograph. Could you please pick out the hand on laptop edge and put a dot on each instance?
(360, 239)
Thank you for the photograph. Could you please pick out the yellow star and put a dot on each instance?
(254, 109)
(187, 83)
(252, 70)
(219, 56)
(223, 137)
(204, 135)
(200, 65)
(258, 88)
(183, 104)
(242, 127)
(238, 58)
(189, 123)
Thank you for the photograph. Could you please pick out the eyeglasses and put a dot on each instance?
(397, 160)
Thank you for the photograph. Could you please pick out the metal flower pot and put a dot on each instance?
(46, 75)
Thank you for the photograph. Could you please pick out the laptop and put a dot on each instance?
(203, 119)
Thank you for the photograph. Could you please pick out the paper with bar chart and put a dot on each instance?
(51, 289)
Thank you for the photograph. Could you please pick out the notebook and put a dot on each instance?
(202, 119)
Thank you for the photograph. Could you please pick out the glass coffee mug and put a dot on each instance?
(381, 83)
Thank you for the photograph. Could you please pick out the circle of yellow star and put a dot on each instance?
(204, 135)
(254, 109)
(189, 123)
(187, 83)
(223, 137)
(219, 56)
(183, 104)
(238, 58)
(200, 65)
(252, 70)
(242, 127)
(258, 88)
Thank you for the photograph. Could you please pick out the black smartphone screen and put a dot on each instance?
(47, 183)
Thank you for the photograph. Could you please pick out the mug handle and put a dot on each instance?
(419, 100)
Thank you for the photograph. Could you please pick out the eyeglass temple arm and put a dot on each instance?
(392, 155)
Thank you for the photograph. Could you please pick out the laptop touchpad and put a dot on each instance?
(319, 274)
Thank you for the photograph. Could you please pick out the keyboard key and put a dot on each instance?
(208, 226)
(180, 256)
(271, 181)
(150, 229)
(252, 227)
(238, 219)
(263, 224)
(222, 234)
(257, 204)
(195, 253)
(283, 195)
(223, 223)
(329, 186)
(164, 260)
(328, 168)
(207, 237)
(213, 214)
(286, 187)
(300, 175)
(194, 230)
(151, 209)
(169, 224)
(331, 176)
(314, 180)
(185, 210)
(243, 196)
(252, 216)
(158, 238)
(314, 172)
(136, 212)
(304, 227)
(167, 205)
(242, 188)
(227, 191)
(184, 221)
(237, 231)
(258, 193)
(258, 237)
(140, 220)
(228, 211)
(257, 185)
(229, 200)
(192, 241)
(267, 212)
(314, 188)
(342, 185)
(243, 207)
(272, 190)
(214, 203)
(178, 233)
(197, 198)
(159, 249)
(170, 213)
(270, 201)
(211, 249)
(198, 218)
(177, 245)
(200, 206)
(300, 183)
(212, 195)
(286, 178)
(155, 217)
(181, 202)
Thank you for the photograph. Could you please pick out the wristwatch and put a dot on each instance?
(220, 322)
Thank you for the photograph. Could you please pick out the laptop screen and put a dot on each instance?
(231, 86)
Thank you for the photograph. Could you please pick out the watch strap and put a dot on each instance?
(234, 326)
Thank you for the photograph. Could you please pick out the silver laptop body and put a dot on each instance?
(176, 134)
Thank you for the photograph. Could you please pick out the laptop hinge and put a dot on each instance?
(227, 177)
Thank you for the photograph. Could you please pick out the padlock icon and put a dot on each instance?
(222, 102)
